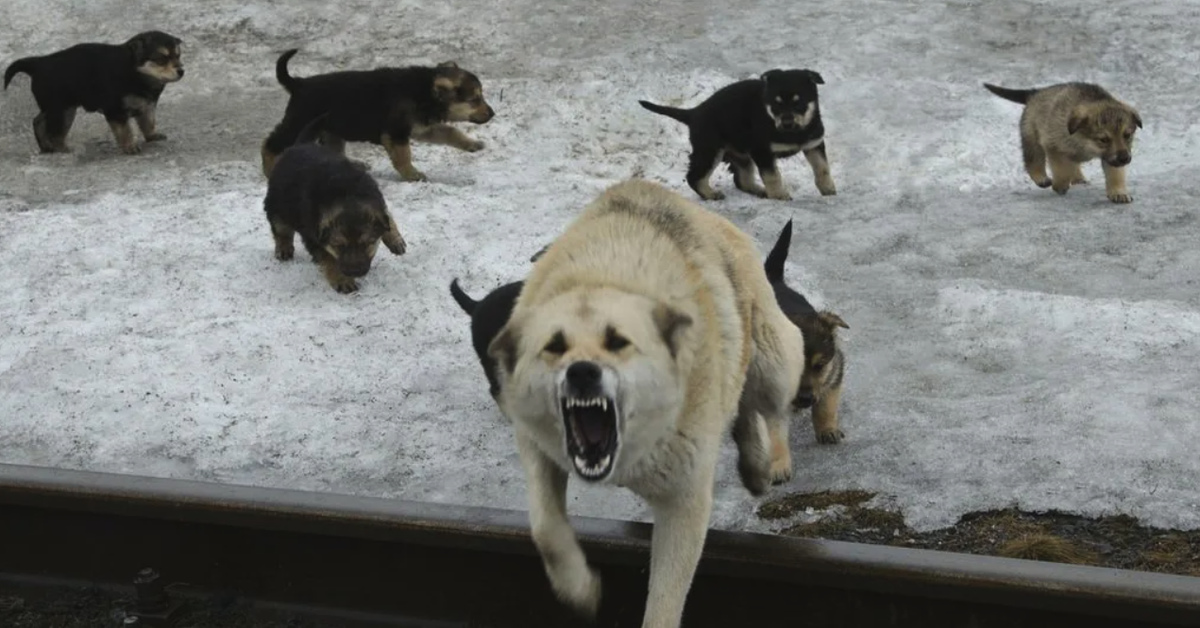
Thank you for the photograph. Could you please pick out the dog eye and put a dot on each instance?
(818, 366)
(1102, 140)
(613, 341)
(557, 345)
(779, 99)
(795, 97)
(1128, 134)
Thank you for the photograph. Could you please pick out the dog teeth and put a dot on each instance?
(602, 402)
(589, 471)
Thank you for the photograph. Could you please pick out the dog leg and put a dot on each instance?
(781, 452)
(820, 167)
(680, 528)
(1114, 184)
(392, 239)
(119, 123)
(771, 178)
(285, 241)
(744, 174)
(825, 417)
(1077, 177)
(1061, 169)
(340, 282)
(147, 123)
(574, 583)
(268, 160)
(1035, 161)
(40, 133)
(401, 156)
(700, 166)
(753, 443)
(447, 135)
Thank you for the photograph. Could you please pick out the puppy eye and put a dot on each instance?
(557, 345)
(1102, 140)
(779, 99)
(818, 366)
(795, 97)
(1128, 134)
(613, 341)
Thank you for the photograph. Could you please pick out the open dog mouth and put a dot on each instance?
(592, 434)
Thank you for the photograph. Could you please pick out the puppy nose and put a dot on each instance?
(180, 70)
(804, 399)
(1123, 157)
(584, 375)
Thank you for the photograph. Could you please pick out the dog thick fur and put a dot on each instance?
(751, 124)
(336, 207)
(642, 334)
(1068, 124)
(119, 80)
(488, 317)
(824, 361)
(385, 106)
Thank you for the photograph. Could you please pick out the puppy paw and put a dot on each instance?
(1120, 197)
(395, 243)
(580, 591)
(713, 196)
(830, 437)
(414, 176)
(131, 149)
(284, 254)
(1061, 188)
(826, 187)
(156, 137)
(474, 147)
(1080, 181)
(1043, 183)
(779, 195)
(781, 471)
(345, 285)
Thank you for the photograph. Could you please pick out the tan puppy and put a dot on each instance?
(1072, 123)
(641, 333)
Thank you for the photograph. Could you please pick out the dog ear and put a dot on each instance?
(503, 348)
(448, 64)
(671, 322)
(770, 74)
(832, 320)
(814, 76)
(137, 46)
(443, 88)
(1077, 121)
(1137, 119)
(540, 253)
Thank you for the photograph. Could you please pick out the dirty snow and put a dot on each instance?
(1007, 346)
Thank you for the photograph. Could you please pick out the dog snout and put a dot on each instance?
(479, 117)
(805, 399)
(355, 267)
(179, 71)
(584, 377)
(1122, 158)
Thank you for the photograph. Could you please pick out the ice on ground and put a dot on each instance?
(1007, 346)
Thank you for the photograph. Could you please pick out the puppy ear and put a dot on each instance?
(443, 88)
(448, 64)
(540, 253)
(1076, 121)
(770, 74)
(138, 47)
(503, 348)
(1137, 119)
(671, 323)
(832, 320)
(816, 77)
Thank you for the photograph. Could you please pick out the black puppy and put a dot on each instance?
(752, 123)
(488, 316)
(118, 80)
(334, 204)
(385, 106)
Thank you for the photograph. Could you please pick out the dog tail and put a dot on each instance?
(1020, 96)
(20, 65)
(312, 130)
(281, 72)
(682, 115)
(778, 254)
(464, 301)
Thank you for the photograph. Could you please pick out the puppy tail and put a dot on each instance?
(1020, 96)
(464, 301)
(682, 115)
(312, 130)
(281, 72)
(20, 65)
(778, 254)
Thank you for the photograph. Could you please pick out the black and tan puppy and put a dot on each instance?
(753, 123)
(119, 80)
(488, 316)
(824, 362)
(334, 204)
(385, 106)
(1069, 124)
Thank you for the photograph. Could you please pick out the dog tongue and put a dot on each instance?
(595, 429)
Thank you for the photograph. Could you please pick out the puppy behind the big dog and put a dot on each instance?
(488, 317)
(336, 207)
(1069, 124)
(824, 361)
(641, 334)
(118, 80)
(385, 106)
(753, 123)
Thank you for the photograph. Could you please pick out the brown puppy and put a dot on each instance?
(385, 106)
(1072, 123)
(824, 362)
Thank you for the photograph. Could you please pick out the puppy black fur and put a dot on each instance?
(488, 316)
(385, 106)
(753, 123)
(118, 80)
(334, 204)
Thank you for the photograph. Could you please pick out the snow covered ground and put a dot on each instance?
(1007, 346)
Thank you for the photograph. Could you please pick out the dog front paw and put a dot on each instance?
(345, 285)
(414, 176)
(713, 196)
(156, 137)
(1061, 188)
(1120, 197)
(781, 471)
(830, 437)
(779, 195)
(1043, 183)
(827, 188)
(131, 149)
(474, 146)
(580, 592)
(285, 253)
(395, 243)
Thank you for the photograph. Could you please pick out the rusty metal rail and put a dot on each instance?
(374, 562)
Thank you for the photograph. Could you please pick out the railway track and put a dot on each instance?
(355, 561)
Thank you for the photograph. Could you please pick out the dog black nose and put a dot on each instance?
(356, 270)
(180, 72)
(1122, 158)
(584, 375)
(804, 399)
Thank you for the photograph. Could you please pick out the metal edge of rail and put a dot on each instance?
(926, 574)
